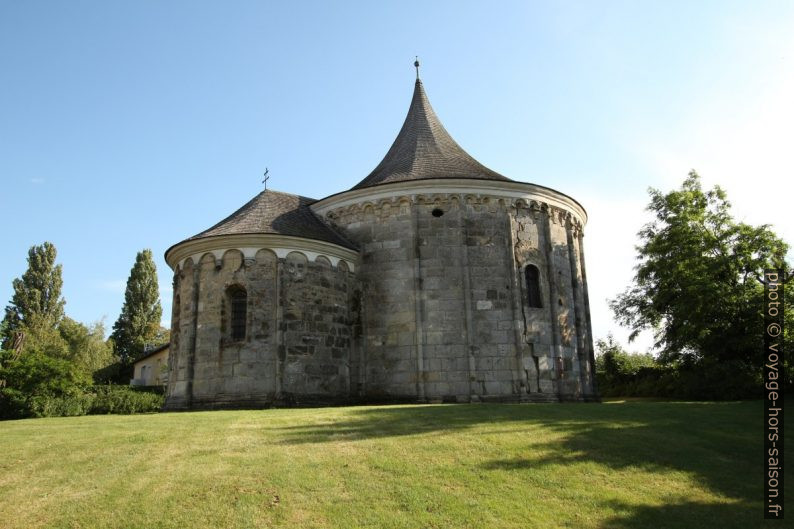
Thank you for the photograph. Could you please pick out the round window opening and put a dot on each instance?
(437, 212)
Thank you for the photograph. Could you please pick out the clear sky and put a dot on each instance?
(131, 125)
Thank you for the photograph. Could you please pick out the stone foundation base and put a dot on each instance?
(255, 402)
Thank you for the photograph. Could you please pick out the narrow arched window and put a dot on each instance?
(238, 301)
(533, 286)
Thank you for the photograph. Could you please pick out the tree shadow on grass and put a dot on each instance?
(392, 421)
(718, 444)
(714, 452)
(713, 442)
(741, 514)
(395, 421)
(728, 467)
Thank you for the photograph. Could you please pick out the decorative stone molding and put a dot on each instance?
(384, 198)
(250, 244)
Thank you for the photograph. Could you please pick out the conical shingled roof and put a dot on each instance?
(277, 213)
(424, 149)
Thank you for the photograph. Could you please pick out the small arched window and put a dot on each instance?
(533, 286)
(238, 301)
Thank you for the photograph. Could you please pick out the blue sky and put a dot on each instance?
(131, 125)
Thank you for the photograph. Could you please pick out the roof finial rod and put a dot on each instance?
(266, 178)
(416, 64)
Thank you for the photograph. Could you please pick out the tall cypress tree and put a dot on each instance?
(37, 294)
(139, 322)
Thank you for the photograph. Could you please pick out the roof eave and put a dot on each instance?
(278, 243)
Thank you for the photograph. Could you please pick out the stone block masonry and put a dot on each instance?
(445, 315)
(436, 310)
(299, 332)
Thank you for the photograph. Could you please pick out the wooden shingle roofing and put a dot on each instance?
(278, 213)
(424, 150)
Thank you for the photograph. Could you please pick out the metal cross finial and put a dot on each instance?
(416, 64)
(266, 178)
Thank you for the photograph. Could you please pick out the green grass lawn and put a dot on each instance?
(615, 465)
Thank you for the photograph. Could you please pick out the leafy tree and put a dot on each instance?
(139, 322)
(697, 284)
(622, 374)
(163, 336)
(83, 346)
(43, 338)
(614, 361)
(87, 347)
(37, 297)
(34, 378)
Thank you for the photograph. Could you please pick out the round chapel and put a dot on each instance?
(434, 279)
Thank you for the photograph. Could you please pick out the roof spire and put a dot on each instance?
(416, 65)
(424, 150)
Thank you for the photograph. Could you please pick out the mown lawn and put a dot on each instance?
(615, 465)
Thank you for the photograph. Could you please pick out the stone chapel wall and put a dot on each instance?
(386, 363)
(317, 330)
(298, 331)
(437, 310)
(445, 315)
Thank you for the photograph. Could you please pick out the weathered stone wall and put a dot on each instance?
(443, 289)
(317, 333)
(584, 354)
(558, 334)
(386, 363)
(445, 314)
(487, 234)
(437, 310)
(182, 332)
(298, 332)
(228, 370)
(535, 334)
(566, 367)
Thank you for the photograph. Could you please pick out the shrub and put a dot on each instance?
(124, 400)
(620, 374)
(64, 406)
(37, 384)
(709, 379)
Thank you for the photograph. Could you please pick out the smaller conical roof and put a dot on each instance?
(424, 149)
(277, 213)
